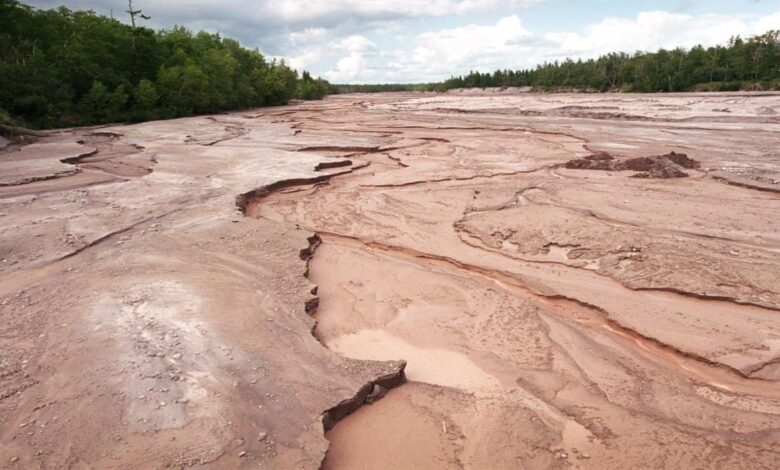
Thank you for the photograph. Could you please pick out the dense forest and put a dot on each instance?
(752, 64)
(61, 68)
(741, 64)
(384, 87)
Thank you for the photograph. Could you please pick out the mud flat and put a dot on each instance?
(472, 280)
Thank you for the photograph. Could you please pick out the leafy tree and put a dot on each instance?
(100, 104)
(309, 88)
(64, 67)
(742, 64)
(145, 98)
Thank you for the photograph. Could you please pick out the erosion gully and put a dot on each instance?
(512, 361)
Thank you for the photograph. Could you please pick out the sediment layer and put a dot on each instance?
(398, 281)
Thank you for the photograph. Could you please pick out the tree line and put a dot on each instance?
(64, 68)
(383, 87)
(752, 64)
(742, 64)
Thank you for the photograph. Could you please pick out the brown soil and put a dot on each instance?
(659, 166)
(398, 281)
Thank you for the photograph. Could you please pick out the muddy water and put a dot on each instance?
(527, 360)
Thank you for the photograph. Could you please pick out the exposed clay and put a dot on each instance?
(508, 282)
(243, 200)
(181, 364)
(757, 182)
(94, 159)
(371, 391)
(258, 295)
(367, 394)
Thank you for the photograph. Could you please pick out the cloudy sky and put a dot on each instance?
(402, 41)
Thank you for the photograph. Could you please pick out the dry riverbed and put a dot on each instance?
(398, 281)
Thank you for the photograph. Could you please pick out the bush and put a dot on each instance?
(100, 105)
(31, 107)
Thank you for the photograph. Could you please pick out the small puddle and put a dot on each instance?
(433, 366)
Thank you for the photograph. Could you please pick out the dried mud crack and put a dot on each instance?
(390, 281)
(372, 390)
(699, 368)
(393, 375)
(379, 250)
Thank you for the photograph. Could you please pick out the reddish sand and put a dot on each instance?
(158, 281)
(553, 316)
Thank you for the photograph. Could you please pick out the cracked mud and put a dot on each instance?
(399, 281)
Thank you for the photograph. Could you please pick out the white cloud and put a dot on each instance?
(350, 40)
(436, 55)
(309, 35)
(767, 23)
(356, 44)
(288, 14)
(449, 48)
(360, 51)
(296, 10)
(652, 30)
(303, 31)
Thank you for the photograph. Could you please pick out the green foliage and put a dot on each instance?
(741, 65)
(103, 105)
(145, 97)
(385, 87)
(62, 67)
(280, 84)
(5, 118)
(309, 88)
